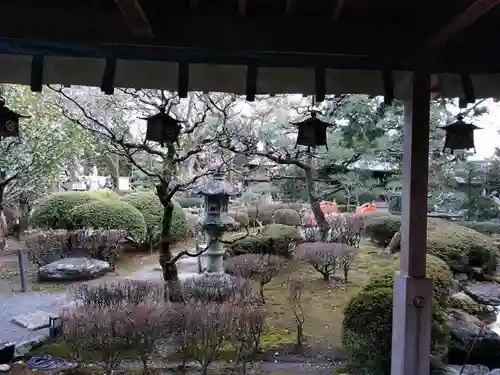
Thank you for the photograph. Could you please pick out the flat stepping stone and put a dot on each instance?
(34, 321)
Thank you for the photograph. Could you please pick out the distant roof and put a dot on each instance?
(374, 166)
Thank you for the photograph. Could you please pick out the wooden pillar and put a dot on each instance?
(412, 290)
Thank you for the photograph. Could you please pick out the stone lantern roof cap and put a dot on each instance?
(216, 184)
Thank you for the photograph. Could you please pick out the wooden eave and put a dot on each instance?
(316, 35)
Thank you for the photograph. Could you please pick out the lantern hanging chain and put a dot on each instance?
(164, 102)
(462, 114)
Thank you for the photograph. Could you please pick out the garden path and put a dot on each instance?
(13, 304)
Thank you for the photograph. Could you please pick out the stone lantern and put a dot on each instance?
(216, 219)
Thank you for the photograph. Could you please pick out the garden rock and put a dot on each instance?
(466, 303)
(460, 277)
(487, 293)
(494, 372)
(464, 329)
(4, 368)
(468, 370)
(71, 269)
(455, 287)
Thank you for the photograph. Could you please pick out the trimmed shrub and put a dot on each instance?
(149, 205)
(265, 212)
(110, 215)
(52, 211)
(279, 237)
(103, 194)
(367, 326)
(367, 197)
(464, 249)
(252, 244)
(485, 227)
(187, 202)
(381, 228)
(286, 216)
(260, 213)
(274, 239)
(242, 219)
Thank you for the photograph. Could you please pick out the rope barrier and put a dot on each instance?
(44, 362)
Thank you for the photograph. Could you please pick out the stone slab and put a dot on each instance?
(12, 305)
(35, 320)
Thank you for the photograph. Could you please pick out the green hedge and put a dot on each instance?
(112, 214)
(381, 228)
(367, 325)
(242, 218)
(484, 227)
(149, 205)
(52, 211)
(265, 212)
(464, 249)
(103, 194)
(274, 239)
(286, 216)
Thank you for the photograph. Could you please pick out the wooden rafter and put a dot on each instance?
(194, 5)
(466, 18)
(290, 7)
(337, 9)
(242, 7)
(135, 17)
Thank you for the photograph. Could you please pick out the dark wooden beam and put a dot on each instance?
(464, 19)
(485, 61)
(290, 6)
(337, 9)
(31, 47)
(135, 17)
(242, 7)
(194, 5)
(204, 31)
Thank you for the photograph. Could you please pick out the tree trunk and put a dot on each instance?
(299, 336)
(2, 189)
(169, 269)
(319, 215)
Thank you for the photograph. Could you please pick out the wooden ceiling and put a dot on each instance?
(364, 27)
(465, 29)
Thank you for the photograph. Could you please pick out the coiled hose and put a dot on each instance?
(45, 362)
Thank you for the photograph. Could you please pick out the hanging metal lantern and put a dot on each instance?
(163, 128)
(459, 135)
(9, 121)
(312, 132)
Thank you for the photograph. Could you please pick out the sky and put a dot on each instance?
(487, 138)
